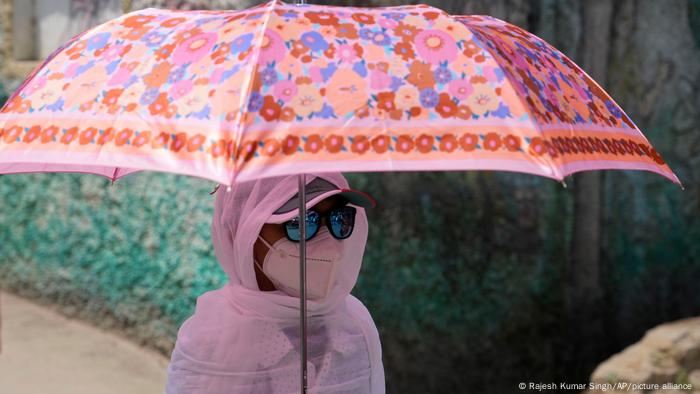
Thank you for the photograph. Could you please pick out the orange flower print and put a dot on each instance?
(421, 76)
(221, 52)
(217, 148)
(448, 143)
(194, 143)
(346, 30)
(657, 157)
(470, 49)
(186, 35)
(415, 111)
(431, 15)
(164, 52)
(111, 97)
(287, 114)
(248, 150)
(87, 136)
(160, 141)
(17, 105)
(230, 146)
(464, 112)
(33, 133)
(360, 144)
(385, 101)
(298, 48)
(512, 142)
(381, 143)
(270, 109)
(48, 134)
(406, 32)
(69, 135)
(492, 141)
(313, 144)
(322, 18)
(362, 112)
(330, 52)
(12, 134)
(363, 18)
(396, 114)
(468, 141)
(158, 75)
(178, 142)
(160, 105)
(446, 107)
(536, 147)
(136, 33)
(334, 143)
(270, 147)
(172, 22)
(424, 143)
(141, 139)
(405, 50)
(404, 143)
(137, 20)
(476, 79)
(123, 137)
(77, 48)
(84, 107)
(290, 144)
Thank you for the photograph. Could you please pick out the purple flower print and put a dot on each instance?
(255, 102)
(314, 41)
(429, 98)
(149, 96)
(442, 75)
(268, 76)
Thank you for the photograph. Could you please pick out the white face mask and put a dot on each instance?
(323, 257)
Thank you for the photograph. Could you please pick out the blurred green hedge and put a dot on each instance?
(137, 253)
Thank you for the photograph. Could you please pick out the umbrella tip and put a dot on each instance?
(563, 183)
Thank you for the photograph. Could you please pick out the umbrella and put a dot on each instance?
(284, 89)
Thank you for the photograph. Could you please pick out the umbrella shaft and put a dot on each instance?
(302, 280)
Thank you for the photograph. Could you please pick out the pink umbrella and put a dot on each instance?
(283, 89)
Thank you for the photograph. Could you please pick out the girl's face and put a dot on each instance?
(273, 232)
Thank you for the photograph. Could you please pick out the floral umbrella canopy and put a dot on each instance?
(280, 89)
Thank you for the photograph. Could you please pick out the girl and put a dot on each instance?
(244, 337)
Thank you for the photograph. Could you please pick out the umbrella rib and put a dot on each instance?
(245, 97)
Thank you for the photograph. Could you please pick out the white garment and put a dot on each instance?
(243, 340)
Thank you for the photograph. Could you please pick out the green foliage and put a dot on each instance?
(137, 251)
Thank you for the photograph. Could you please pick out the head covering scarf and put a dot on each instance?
(244, 340)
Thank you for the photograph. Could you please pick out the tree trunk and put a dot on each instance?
(585, 290)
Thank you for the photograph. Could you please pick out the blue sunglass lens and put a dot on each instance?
(312, 221)
(342, 222)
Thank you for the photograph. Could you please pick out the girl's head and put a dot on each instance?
(253, 226)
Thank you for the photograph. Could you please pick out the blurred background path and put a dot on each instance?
(44, 352)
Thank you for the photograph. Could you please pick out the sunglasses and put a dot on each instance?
(340, 223)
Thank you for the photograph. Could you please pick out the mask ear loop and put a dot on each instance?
(257, 264)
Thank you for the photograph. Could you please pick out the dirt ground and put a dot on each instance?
(44, 352)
